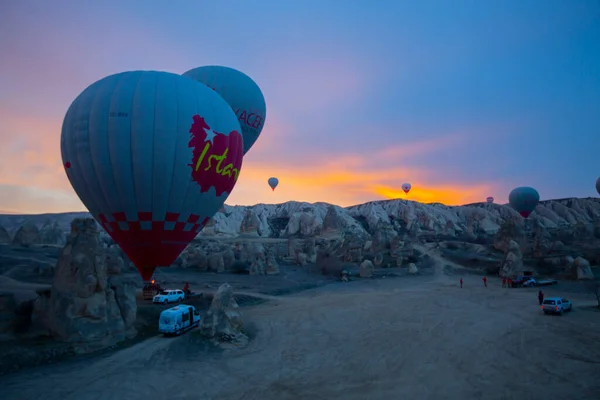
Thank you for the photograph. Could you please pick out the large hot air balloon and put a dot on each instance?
(153, 156)
(241, 92)
(406, 187)
(524, 200)
(598, 185)
(490, 199)
(273, 182)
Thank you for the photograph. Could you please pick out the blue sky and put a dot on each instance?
(463, 99)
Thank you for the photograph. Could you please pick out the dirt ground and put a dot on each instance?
(402, 338)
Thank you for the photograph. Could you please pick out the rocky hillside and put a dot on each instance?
(51, 263)
(296, 219)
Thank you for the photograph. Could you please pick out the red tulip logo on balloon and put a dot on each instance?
(217, 157)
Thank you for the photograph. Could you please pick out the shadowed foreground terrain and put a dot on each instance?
(402, 328)
(412, 338)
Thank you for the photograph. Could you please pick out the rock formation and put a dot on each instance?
(583, 270)
(4, 235)
(297, 219)
(250, 224)
(542, 240)
(509, 231)
(367, 269)
(51, 234)
(90, 305)
(194, 257)
(26, 235)
(383, 232)
(223, 320)
(412, 269)
(513, 260)
(8, 307)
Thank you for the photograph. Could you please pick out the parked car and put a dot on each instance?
(546, 282)
(529, 282)
(178, 319)
(169, 296)
(556, 305)
(519, 280)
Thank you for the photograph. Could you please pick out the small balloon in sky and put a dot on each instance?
(489, 199)
(406, 187)
(273, 182)
(153, 156)
(241, 93)
(524, 200)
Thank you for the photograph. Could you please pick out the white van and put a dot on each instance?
(176, 320)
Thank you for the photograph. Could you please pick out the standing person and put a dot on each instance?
(541, 297)
(484, 281)
(503, 281)
(509, 282)
(461, 283)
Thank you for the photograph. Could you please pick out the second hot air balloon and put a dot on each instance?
(524, 200)
(153, 156)
(273, 182)
(241, 93)
(406, 187)
(489, 199)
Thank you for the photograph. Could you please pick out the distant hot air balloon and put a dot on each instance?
(406, 187)
(273, 182)
(153, 156)
(241, 93)
(524, 200)
(490, 199)
(598, 185)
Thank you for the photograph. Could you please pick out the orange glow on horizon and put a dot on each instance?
(449, 195)
(40, 185)
(347, 186)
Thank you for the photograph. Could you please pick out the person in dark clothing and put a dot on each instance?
(485, 281)
(503, 281)
(461, 282)
(541, 297)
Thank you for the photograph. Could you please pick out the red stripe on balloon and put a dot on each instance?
(151, 248)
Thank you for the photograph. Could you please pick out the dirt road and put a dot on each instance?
(400, 338)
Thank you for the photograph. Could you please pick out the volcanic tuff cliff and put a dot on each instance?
(297, 219)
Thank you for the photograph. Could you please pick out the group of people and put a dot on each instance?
(507, 282)
(484, 282)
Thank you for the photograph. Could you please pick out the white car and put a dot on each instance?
(556, 305)
(531, 282)
(169, 296)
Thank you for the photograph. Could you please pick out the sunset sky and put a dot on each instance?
(464, 99)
